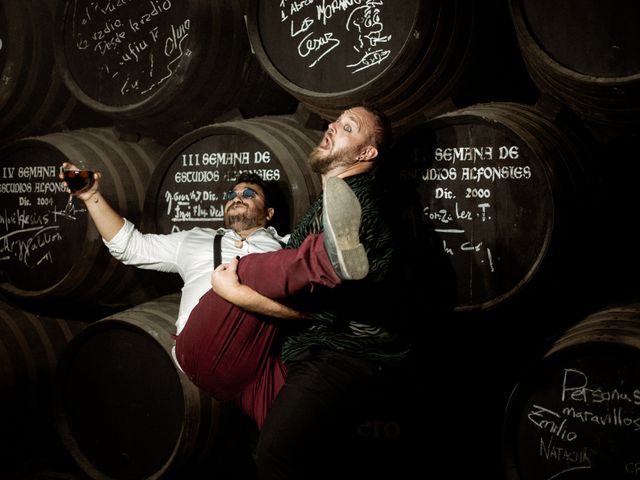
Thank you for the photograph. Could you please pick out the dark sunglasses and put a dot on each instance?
(246, 193)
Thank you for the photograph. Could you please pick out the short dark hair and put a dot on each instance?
(382, 131)
(251, 177)
(274, 197)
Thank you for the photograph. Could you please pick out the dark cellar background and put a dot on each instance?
(565, 78)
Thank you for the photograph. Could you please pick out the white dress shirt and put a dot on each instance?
(188, 253)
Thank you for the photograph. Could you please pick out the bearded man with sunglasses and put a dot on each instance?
(190, 253)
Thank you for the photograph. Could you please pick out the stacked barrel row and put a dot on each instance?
(33, 96)
(147, 73)
(573, 410)
(506, 114)
(59, 264)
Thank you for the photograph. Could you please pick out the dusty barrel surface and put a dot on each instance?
(30, 346)
(575, 412)
(187, 187)
(33, 97)
(163, 65)
(585, 54)
(405, 56)
(47, 256)
(123, 408)
(499, 184)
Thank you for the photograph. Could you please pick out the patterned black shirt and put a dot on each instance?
(355, 317)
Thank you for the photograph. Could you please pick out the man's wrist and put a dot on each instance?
(93, 198)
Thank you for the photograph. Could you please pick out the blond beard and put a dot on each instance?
(322, 164)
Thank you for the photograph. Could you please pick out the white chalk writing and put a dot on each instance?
(197, 181)
(570, 420)
(319, 26)
(121, 33)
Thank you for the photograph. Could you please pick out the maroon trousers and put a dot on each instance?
(229, 352)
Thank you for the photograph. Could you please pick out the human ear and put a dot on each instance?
(369, 153)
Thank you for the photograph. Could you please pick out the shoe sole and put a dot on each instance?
(342, 214)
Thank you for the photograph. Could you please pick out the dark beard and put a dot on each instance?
(242, 221)
(345, 157)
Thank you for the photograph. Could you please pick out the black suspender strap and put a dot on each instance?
(217, 250)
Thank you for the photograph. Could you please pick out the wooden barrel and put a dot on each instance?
(30, 346)
(33, 97)
(186, 188)
(575, 412)
(585, 54)
(408, 57)
(123, 408)
(163, 67)
(47, 256)
(508, 192)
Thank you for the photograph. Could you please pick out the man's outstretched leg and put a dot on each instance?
(325, 259)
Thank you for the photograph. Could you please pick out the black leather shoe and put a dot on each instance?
(341, 213)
